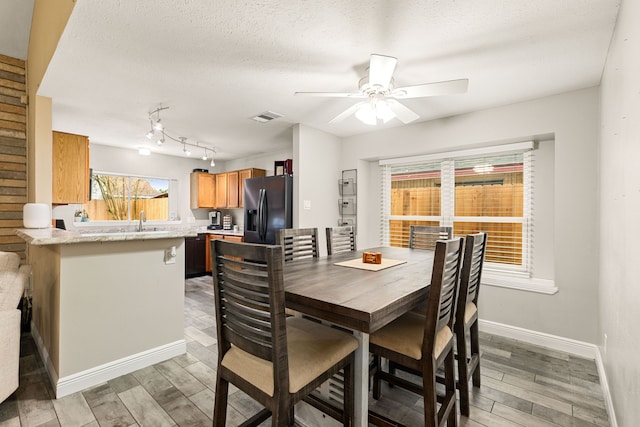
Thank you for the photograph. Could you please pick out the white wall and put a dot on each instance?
(318, 156)
(620, 210)
(566, 245)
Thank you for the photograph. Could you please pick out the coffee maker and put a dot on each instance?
(215, 220)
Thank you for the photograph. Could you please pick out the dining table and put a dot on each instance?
(343, 290)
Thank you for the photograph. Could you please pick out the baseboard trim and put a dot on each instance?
(44, 355)
(604, 383)
(94, 376)
(554, 342)
(82, 380)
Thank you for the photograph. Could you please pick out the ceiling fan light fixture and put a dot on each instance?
(366, 114)
(383, 112)
(369, 112)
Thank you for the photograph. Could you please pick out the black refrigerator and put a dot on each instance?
(268, 206)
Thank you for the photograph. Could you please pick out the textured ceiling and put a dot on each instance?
(215, 64)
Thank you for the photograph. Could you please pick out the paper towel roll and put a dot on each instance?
(36, 215)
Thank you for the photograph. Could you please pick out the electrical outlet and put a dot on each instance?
(170, 255)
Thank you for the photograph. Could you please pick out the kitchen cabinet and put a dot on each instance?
(244, 174)
(229, 187)
(221, 190)
(212, 236)
(227, 190)
(203, 190)
(232, 189)
(195, 256)
(70, 173)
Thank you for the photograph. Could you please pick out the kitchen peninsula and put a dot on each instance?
(106, 303)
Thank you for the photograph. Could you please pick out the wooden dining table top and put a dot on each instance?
(358, 299)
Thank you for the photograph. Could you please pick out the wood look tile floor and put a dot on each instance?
(522, 385)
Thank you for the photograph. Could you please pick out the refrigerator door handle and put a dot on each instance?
(261, 217)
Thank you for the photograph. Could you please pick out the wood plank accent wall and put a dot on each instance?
(13, 152)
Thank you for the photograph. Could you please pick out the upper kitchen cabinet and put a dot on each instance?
(70, 175)
(221, 190)
(232, 190)
(229, 188)
(244, 174)
(203, 190)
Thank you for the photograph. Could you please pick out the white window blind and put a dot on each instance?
(491, 193)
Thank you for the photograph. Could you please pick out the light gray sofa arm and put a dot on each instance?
(9, 352)
(13, 280)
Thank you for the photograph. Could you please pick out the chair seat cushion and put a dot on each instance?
(405, 334)
(469, 311)
(312, 349)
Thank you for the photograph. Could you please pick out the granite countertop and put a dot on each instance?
(54, 236)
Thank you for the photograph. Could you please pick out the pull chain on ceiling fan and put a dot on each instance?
(380, 94)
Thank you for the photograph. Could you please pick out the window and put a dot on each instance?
(469, 191)
(121, 197)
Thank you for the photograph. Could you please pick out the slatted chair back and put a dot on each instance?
(467, 317)
(425, 236)
(340, 239)
(298, 243)
(441, 305)
(249, 298)
(471, 273)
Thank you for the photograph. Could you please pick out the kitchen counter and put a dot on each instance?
(225, 232)
(54, 236)
(105, 302)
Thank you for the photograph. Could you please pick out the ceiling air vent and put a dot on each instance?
(267, 116)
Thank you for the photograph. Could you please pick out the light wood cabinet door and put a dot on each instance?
(234, 238)
(207, 250)
(221, 190)
(70, 173)
(202, 190)
(232, 189)
(244, 174)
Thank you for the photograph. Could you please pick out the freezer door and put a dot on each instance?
(252, 188)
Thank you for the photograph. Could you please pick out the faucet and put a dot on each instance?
(143, 218)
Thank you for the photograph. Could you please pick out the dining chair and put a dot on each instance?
(467, 317)
(298, 243)
(425, 236)
(340, 239)
(276, 360)
(423, 343)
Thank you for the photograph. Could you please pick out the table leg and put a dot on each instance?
(361, 380)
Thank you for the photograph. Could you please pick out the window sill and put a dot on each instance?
(542, 286)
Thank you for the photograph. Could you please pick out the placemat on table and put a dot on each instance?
(357, 263)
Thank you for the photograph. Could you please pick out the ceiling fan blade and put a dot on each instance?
(381, 70)
(346, 113)
(404, 114)
(449, 87)
(333, 94)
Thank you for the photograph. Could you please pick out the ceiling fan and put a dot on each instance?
(380, 94)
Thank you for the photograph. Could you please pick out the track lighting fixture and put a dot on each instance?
(184, 146)
(157, 126)
(213, 155)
